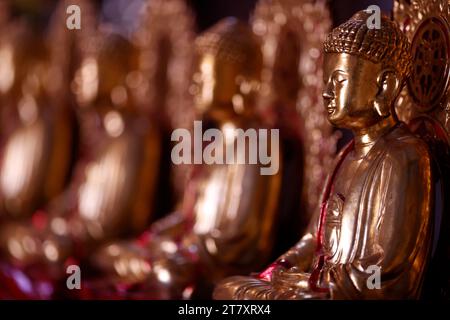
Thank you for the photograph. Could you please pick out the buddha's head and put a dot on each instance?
(364, 71)
(24, 60)
(228, 70)
(107, 74)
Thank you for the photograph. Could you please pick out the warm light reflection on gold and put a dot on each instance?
(113, 250)
(86, 81)
(59, 226)
(376, 209)
(235, 190)
(169, 246)
(238, 103)
(162, 273)
(229, 131)
(22, 158)
(210, 203)
(219, 228)
(15, 249)
(51, 251)
(220, 201)
(114, 124)
(101, 191)
(207, 81)
(7, 72)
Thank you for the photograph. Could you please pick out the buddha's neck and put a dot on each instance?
(366, 138)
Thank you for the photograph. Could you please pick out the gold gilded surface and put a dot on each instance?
(292, 34)
(224, 225)
(112, 191)
(37, 129)
(424, 105)
(426, 24)
(377, 203)
(166, 38)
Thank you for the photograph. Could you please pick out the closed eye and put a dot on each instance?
(339, 76)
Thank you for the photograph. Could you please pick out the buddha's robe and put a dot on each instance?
(226, 226)
(378, 213)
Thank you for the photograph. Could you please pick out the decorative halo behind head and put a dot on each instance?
(166, 38)
(67, 46)
(424, 105)
(426, 23)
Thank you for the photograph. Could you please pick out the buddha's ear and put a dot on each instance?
(389, 86)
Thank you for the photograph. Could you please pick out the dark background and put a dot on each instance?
(208, 11)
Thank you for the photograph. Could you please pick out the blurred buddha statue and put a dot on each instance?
(37, 128)
(292, 34)
(166, 37)
(39, 131)
(224, 225)
(371, 237)
(112, 192)
(286, 98)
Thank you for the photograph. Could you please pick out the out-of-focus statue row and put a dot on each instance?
(89, 183)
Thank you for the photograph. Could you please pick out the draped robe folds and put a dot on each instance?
(384, 220)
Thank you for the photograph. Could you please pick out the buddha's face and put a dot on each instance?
(216, 85)
(221, 90)
(351, 87)
(103, 80)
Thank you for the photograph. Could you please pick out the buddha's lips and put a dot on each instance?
(331, 108)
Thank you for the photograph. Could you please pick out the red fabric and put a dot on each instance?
(314, 278)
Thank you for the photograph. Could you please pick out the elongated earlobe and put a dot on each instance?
(382, 108)
(389, 88)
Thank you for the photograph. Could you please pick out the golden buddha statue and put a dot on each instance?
(375, 217)
(292, 34)
(37, 129)
(225, 223)
(166, 37)
(102, 201)
(38, 132)
(112, 192)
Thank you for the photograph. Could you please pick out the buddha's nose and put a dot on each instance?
(327, 95)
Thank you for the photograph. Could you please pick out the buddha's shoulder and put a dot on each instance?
(402, 144)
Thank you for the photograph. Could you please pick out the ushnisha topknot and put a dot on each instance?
(231, 41)
(387, 45)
